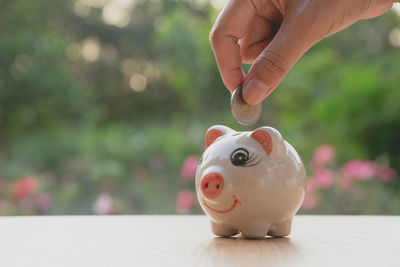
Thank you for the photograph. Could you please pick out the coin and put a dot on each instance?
(244, 113)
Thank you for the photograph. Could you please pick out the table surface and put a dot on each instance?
(187, 241)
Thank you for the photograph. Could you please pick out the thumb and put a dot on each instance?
(277, 59)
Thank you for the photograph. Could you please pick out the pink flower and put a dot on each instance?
(310, 200)
(185, 201)
(25, 187)
(324, 178)
(103, 205)
(323, 155)
(44, 201)
(189, 168)
(387, 174)
(362, 170)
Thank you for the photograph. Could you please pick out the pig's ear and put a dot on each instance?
(270, 139)
(214, 132)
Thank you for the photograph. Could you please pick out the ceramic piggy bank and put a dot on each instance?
(249, 182)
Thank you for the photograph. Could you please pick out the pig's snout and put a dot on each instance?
(212, 185)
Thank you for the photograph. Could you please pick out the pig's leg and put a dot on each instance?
(223, 229)
(281, 229)
(255, 230)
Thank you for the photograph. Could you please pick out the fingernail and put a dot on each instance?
(255, 92)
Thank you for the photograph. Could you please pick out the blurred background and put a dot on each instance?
(104, 105)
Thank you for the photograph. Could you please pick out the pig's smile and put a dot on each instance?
(235, 202)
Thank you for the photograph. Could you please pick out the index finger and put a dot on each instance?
(232, 24)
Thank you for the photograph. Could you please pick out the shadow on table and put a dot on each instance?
(238, 251)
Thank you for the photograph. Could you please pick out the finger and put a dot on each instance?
(378, 11)
(231, 25)
(271, 66)
(256, 40)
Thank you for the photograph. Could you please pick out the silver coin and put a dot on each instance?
(244, 113)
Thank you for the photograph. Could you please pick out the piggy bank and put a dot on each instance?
(249, 182)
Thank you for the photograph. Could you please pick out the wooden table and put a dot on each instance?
(187, 241)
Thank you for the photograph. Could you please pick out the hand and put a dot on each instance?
(273, 34)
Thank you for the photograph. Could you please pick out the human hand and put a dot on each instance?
(273, 34)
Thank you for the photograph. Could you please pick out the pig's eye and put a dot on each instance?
(240, 157)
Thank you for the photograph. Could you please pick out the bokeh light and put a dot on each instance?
(81, 9)
(396, 8)
(138, 82)
(129, 66)
(394, 37)
(218, 4)
(117, 12)
(114, 15)
(151, 71)
(90, 49)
